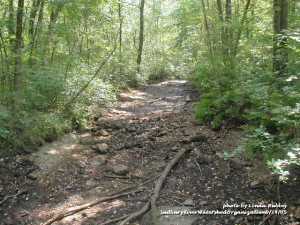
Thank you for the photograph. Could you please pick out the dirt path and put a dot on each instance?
(143, 133)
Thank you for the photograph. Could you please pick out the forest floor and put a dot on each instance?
(131, 144)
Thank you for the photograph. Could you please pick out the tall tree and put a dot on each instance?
(53, 19)
(11, 21)
(18, 48)
(141, 36)
(280, 23)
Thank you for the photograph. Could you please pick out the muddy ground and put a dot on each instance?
(143, 133)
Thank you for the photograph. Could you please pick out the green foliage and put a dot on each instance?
(229, 155)
(242, 88)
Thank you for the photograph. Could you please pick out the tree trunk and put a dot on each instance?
(33, 13)
(37, 31)
(11, 23)
(210, 47)
(53, 19)
(280, 24)
(141, 36)
(18, 49)
(228, 30)
(120, 27)
(240, 30)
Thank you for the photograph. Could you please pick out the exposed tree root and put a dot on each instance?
(152, 201)
(73, 210)
(13, 196)
(114, 195)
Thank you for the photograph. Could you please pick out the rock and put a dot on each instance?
(190, 165)
(94, 147)
(189, 202)
(237, 164)
(238, 220)
(255, 184)
(102, 148)
(95, 129)
(188, 132)
(165, 217)
(120, 170)
(213, 223)
(105, 168)
(26, 161)
(198, 138)
(61, 170)
(115, 125)
(87, 141)
(203, 203)
(132, 145)
(131, 129)
(33, 175)
(207, 190)
(91, 183)
(103, 132)
(161, 133)
(97, 116)
(204, 160)
(99, 162)
(175, 148)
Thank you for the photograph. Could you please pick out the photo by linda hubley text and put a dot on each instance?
(236, 209)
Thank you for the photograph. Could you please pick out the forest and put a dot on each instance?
(61, 58)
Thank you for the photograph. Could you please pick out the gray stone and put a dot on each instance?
(202, 203)
(131, 129)
(204, 160)
(91, 183)
(87, 141)
(103, 132)
(255, 184)
(61, 170)
(102, 148)
(115, 125)
(175, 148)
(99, 162)
(120, 170)
(198, 138)
(237, 164)
(168, 219)
(33, 175)
(238, 220)
(95, 129)
(189, 202)
(213, 223)
(188, 132)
